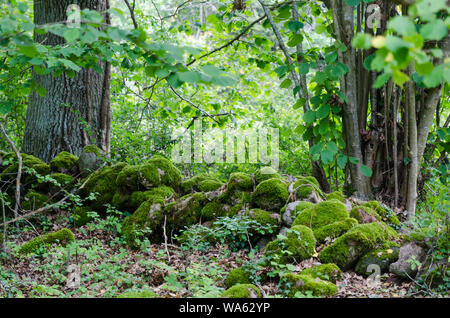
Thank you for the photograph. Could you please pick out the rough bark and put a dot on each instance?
(74, 112)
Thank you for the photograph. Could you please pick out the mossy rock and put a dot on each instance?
(270, 195)
(61, 237)
(192, 184)
(388, 216)
(209, 185)
(237, 276)
(305, 283)
(383, 257)
(290, 211)
(297, 246)
(235, 197)
(63, 179)
(122, 201)
(240, 181)
(266, 173)
(329, 272)
(138, 178)
(186, 210)
(323, 213)
(148, 217)
(168, 173)
(265, 218)
(92, 149)
(213, 210)
(138, 197)
(337, 195)
(103, 182)
(28, 161)
(34, 200)
(302, 205)
(242, 291)
(364, 214)
(359, 240)
(306, 187)
(334, 229)
(90, 159)
(80, 215)
(64, 162)
(138, 294)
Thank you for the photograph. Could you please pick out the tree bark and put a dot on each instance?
(74, 112)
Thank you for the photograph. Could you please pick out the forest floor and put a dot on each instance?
(108, 268)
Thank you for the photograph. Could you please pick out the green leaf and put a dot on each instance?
(402, 25)
(424, 69)
(189, 77)
(309, 116)
(323, 111)
(434, 30)
(434, 78)
(304, 68)
(299, 103)
(353, 3)
(70, 35)
(399, 77)
(295, 39)
(366, 171)
(331, 57)
(394, 43)
(41, 91)
(286, 83)
(294, 26)
(326, 156)
(362, 41)
(342, 161)
(381, 80)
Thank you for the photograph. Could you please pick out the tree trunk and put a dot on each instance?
(343, 19)
(74, 112)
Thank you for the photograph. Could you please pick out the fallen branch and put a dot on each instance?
(165, 238)
(19, 170)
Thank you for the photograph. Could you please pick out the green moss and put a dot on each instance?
(386, 214)
(148, 217)
(237, 276)
(122, 200)
(92, 149)
(209, 185)
(186, 210)
(297, 246)
(334, 229)
(323, 213)
(305, 186)
(240, 181)
(212, 210)
(266, 173)
(63, 162)
(138, 197)
(138, 294)
(306, 283)
(80, 215)
(270, 195)
(364, 214)
(234, 198)
(337, 195)
(302, 205)
(63, 179)
(169, 174)
(359, 240)
(28, 161)
(382, 257)
(264, 218)
(103, 182)
(242, 291)
(61, 237)
(138, 177)
(34, 200)
(329, 272)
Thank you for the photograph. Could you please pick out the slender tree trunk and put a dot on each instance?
(75, 112)
(343, 18)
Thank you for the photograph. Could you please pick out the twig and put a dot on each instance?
(19, 170)
(4, 227)
(133, 17)
(165, 238)
(45, 208)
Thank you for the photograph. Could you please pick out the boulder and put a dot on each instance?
(403, 267)
(293, 283)
(242, 291)
(270, 195)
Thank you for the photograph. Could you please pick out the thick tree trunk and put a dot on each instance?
(75, 112)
